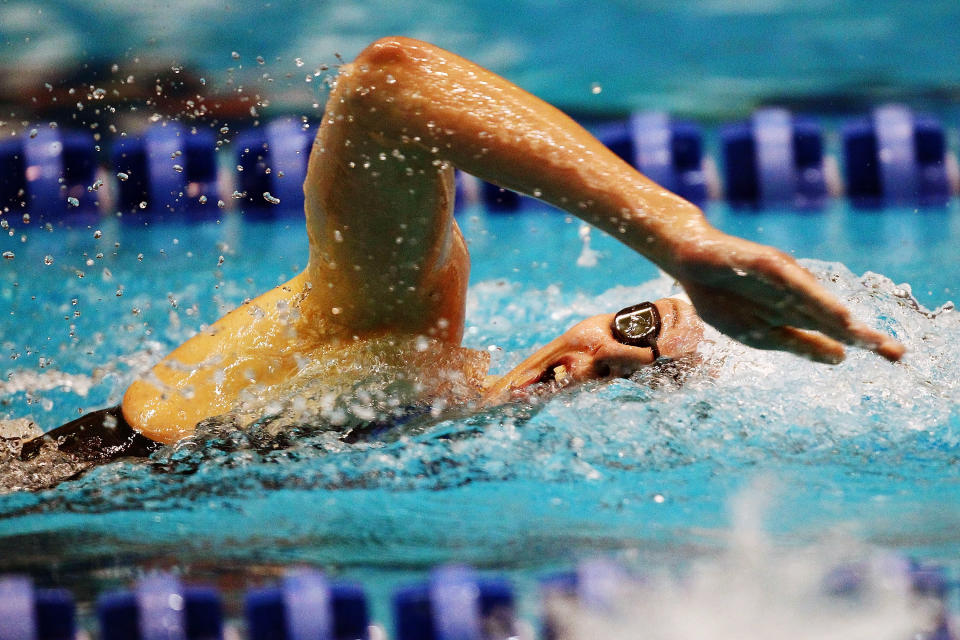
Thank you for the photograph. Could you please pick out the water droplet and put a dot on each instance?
(336, 311)
(122, 176)
(269, 198)
(97, 234)
(596, 88)
(236, 195)
(203, 199)
(26, 218)
(234, 55)
(178, 168)
(391, 79)
(119, 292)
(8, 255)
(73, 202)
(48, 259)
(4, 224)
(220, 261)
(298, 62)
(221, 204)
(224, 129)
(260, 60)
(98, 94)
(33, 133)
(96, 185)
(143, 204)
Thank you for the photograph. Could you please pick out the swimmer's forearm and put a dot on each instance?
(413, 92)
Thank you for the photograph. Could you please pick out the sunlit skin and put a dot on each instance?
(387, 256)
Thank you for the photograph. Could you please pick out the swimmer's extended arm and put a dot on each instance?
(406, 92)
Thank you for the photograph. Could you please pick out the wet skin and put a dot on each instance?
(387, 257)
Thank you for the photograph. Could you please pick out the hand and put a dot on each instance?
(763, 298)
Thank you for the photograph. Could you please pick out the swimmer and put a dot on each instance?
(388, 265)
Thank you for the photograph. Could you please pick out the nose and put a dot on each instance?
(681, 328)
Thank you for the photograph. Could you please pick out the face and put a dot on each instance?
(591, 351)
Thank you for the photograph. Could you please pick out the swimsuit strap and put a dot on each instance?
(95, 437)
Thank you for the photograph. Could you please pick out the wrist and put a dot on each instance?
(668, 232)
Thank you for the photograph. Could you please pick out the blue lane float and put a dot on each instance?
(896, 158)
(49, 174)
(668, 151)
(161, 608)
(597, 585)
(271, 167)
(170, 169)
(774, 160)
(455, 604)
(34, 614)
(306, 606)
(498, 199)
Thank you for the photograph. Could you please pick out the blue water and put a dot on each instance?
(711, 58)
(645, 467)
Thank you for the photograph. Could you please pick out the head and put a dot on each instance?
(639, 335)
(598, 348)
(617, 344)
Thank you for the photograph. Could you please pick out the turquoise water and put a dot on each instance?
(645, 467)
(712, 58)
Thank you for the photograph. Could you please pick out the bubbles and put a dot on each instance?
(48, 259)
(123, 177)
(73, 202)
(8, 255)
(596, 88)
(269, 198)
(178, 168)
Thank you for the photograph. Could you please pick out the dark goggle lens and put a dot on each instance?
(638, 325)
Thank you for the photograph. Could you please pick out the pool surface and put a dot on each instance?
(651, 469)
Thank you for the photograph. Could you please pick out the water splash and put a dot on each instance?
(755, 589)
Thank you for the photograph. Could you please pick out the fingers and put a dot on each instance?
(877, 341)
(809, 344)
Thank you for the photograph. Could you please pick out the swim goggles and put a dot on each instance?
(638, 326)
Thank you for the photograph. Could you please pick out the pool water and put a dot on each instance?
(650, 469)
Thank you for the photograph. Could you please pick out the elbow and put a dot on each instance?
(389, 51)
